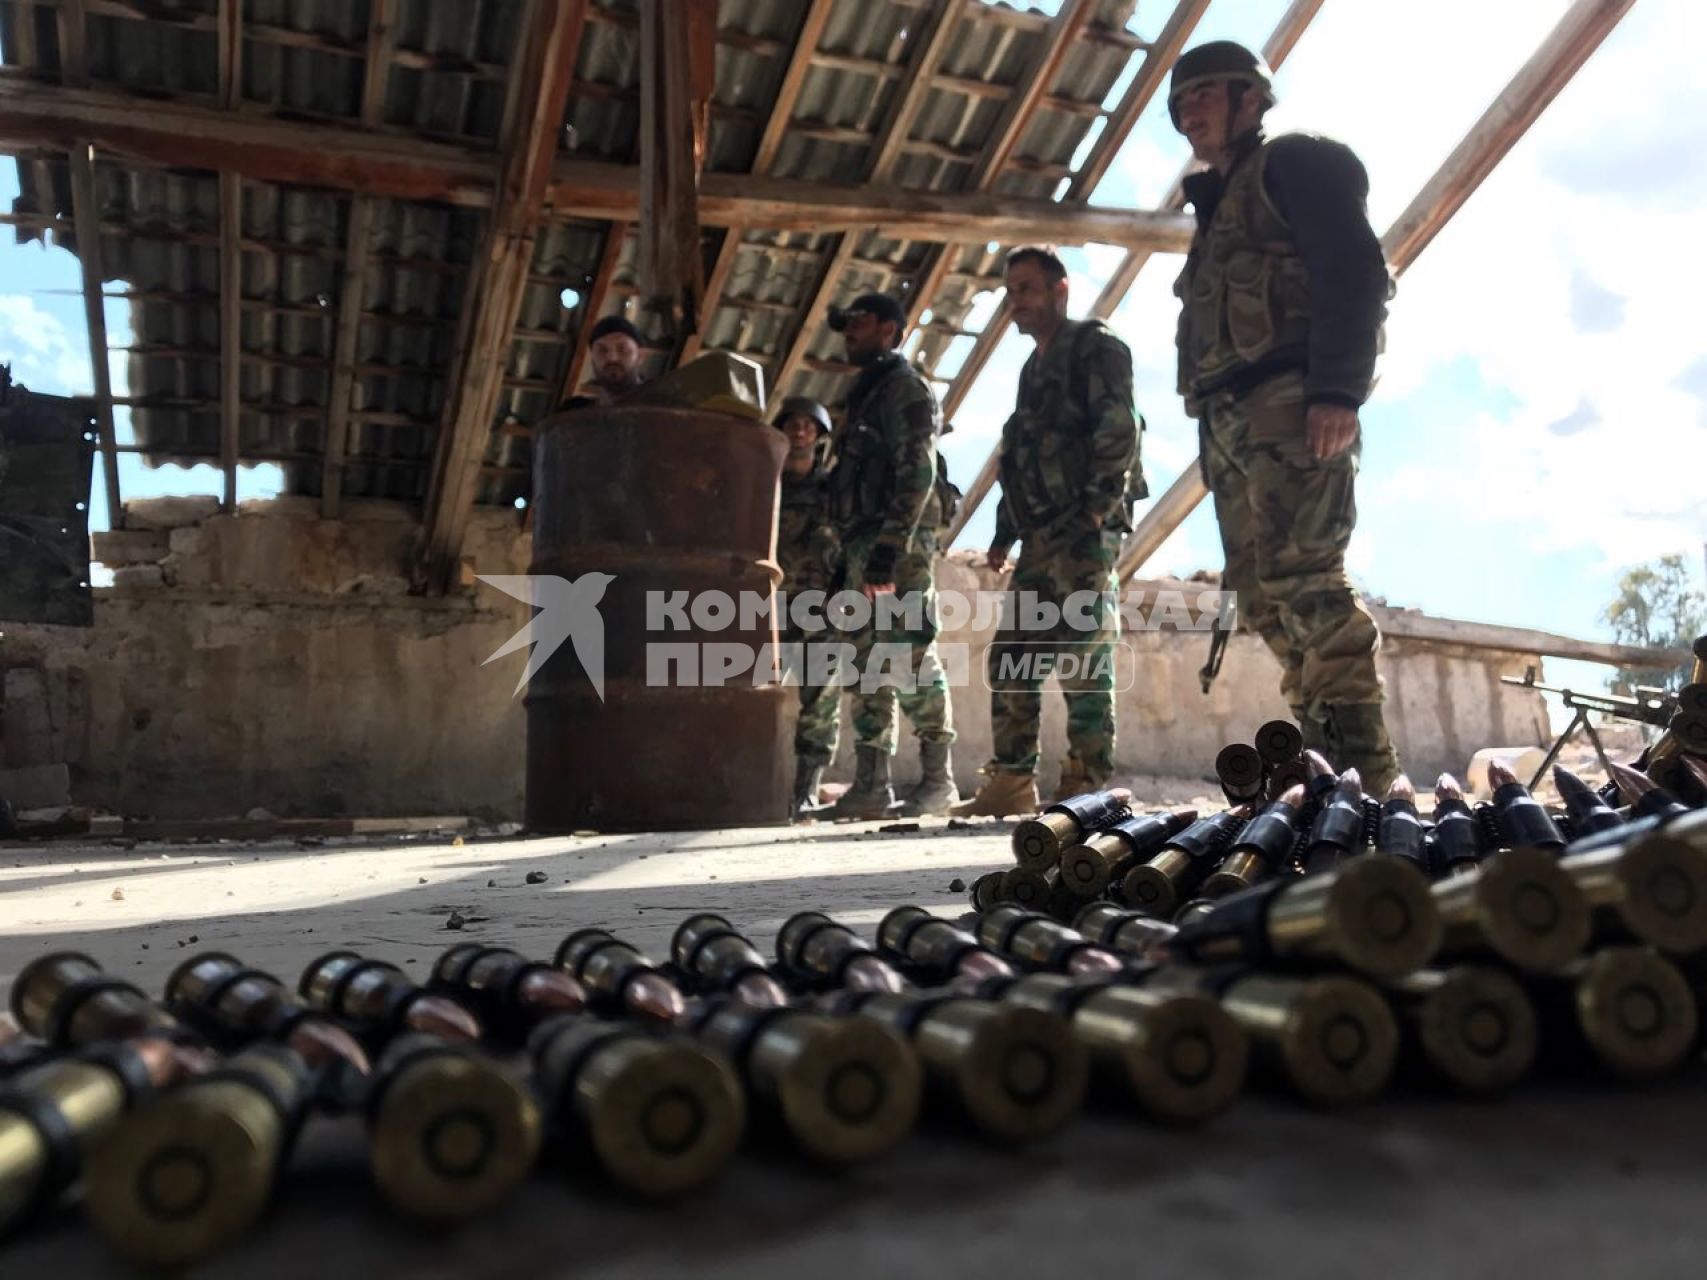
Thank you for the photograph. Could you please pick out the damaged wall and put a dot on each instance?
(274, 659)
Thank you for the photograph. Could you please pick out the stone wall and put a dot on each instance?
(273, 659)
(270, 658)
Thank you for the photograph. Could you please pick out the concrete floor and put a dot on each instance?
(1567, 1179)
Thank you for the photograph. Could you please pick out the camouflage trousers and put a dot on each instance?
(1286, 520)
(923, 699)
(1053, 567)
(819, 726)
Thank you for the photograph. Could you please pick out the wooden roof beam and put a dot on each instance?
(549, 46)
(770, 142)
(916, 85)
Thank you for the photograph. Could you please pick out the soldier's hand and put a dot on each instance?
(997, 558)
(1331, 429)
(875, 589)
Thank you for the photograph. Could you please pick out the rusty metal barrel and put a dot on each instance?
(671, 505)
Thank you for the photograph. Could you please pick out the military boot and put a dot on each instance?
(1002, 795)
(1357, 739)
(936, 790)
(808, 775)
(1075, 781)
(871, 795)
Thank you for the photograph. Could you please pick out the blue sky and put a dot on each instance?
(1540, 423)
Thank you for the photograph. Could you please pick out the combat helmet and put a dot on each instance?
(1218, 60)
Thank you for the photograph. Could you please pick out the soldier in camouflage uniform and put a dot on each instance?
(884, 503)
(810, 557)
(1283, 298)
(1069, 470)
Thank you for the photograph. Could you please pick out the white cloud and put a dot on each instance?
(43, 355)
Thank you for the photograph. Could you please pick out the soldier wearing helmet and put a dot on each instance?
(1282, 303)
(810, 557)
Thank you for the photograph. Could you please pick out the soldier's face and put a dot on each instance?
(1037, 302)
(1203, 112)
(616, 359)
(801, 433)
(866, 337)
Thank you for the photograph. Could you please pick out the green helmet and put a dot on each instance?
(1218, 60)
(804, 407)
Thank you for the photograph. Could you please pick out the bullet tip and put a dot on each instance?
(1500, 774)
(1318, 764)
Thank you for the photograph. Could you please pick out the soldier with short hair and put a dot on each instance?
(810, 557)
(1069, 472)
(1282, 299)
(883, 501)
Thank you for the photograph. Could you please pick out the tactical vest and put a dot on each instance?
(1244, 295)
(862, 485)
(1046, 447)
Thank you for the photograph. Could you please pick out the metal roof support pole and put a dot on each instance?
(381, 39)
(86, 217)
(230, 332)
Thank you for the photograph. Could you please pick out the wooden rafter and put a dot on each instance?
(1279, 45)
(1548, 70)
(1009, 130)
(549, 45)
(1158, 62)
(73, 43)
(592, 307)
(230, 53)
(37, 115)
(770, 142)
(357, 247)
(910, 96)
(678, 43)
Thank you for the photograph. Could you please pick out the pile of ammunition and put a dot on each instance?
(1347, 937)
(1317, 939)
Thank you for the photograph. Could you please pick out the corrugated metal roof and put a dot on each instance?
(447, 80)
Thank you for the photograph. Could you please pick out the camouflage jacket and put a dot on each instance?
(883, 488)
(1072, 444)
(806, 545)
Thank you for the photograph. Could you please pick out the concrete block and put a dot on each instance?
(187, 541)
(40, 786)
(120, 547)
(169, 513)
(139, 577)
